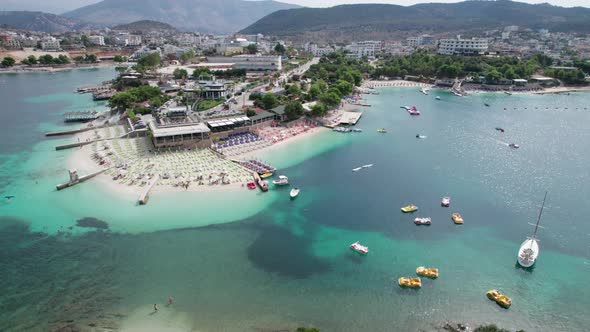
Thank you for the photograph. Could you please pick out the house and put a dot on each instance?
(279, 113)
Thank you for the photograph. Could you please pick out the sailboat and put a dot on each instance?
(529, 249)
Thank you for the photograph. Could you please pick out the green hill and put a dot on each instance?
(376, 21)
(144, 26)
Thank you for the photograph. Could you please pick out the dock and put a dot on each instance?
(350, 118)
(82, 116)
(75, 179)
(145, 195)
(69, 132)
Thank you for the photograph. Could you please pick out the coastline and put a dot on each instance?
(24, 70)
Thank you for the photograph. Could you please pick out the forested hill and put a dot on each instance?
(377, 21)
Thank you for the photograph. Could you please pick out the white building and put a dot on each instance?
(96, 40)
(420, 41)
(188, 39)
(134, 40)
(318, 51)
(50, 44)
(145, 51)
(462, 46)
(363, 49)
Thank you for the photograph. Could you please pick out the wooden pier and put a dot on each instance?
(75, 179)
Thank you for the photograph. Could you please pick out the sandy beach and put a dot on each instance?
(393, 83)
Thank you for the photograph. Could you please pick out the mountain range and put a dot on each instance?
(216, 16)
(38, 21)
(145, 26)
(378, 21)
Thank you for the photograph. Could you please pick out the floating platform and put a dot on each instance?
(83, 116)
(350, 118)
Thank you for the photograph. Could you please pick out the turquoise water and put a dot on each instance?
(263, 262)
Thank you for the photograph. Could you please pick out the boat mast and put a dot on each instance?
(539, 218)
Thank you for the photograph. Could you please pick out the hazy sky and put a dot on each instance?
(60, 6)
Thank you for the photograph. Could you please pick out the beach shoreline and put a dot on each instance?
(25, 70)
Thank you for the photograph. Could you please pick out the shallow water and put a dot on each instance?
(287, 264)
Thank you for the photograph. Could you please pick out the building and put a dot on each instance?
(209, 87)
(423, 40)
(50, 44)
(145, 51)
(174, 127)
(251, 62)
(97, 40)
(9, 40)
(318, 51)
(134, 40)
(459, 46)
(363, 49)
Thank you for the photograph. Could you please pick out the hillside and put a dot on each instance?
(220, 16)
(354, 22)
(38, 21)
(144, 26)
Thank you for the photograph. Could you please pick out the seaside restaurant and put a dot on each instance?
(228, 124)
(180, 135)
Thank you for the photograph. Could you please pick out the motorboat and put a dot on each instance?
(423, 221)
(367, 166)
(409, 208)
(502, 300)
(282, 181)
(500, 129)
(359, 248)
(446, 201)
(382, 130)
(357, 130)
(427, 272)
(508, 93)
(294, 192)
(341, 130)
(410, 282)
(457, 219)
(514, 146)
(420, 136)
(437, 98)
(424, 91)
(357, 169)
(529, 249)
(487, 105)
(251, 185)
(405, 107)
(413, 110)
(265, 175)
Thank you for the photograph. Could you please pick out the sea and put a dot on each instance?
(252, 261)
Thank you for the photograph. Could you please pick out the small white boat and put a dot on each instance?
(422, 221)
(359, 248)
(357, 169)
(294, 192)
(446, 201)
(424, 91)
(437, 98)
(514, 146)
(357, 130)
(282, 181)
(367, 166)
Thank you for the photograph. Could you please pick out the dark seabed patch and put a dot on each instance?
(90, 222)
(55, 283)
(277, 250)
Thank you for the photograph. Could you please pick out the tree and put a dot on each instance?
(344, 87)
(46, 59)
(186, 56)
(30, 60)
(8, 62)
(314, 91)
(85, 40)
(294, 110)
(151, 60)
(250, 112)
(330, 99)
(79, 58)
(180, 73)
(122, 101)
(294, 90)
(119, 58)
(492, 75)
(280, 49)
(202, 71)
(252, 49)
(307, 329)
(90, 58)
(319, 109)
(269, 101)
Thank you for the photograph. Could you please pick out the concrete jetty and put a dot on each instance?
(75, 179)
(145, 195)
(69, 132)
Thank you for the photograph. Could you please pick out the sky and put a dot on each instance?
(61, 6)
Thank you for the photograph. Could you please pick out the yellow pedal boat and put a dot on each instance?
(265, 175)
(457, 219)
(502, 300)
(427, 272)
(409, 208)
(410, 282)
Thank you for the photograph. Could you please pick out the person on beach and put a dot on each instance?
(170, 300)
(155, 307)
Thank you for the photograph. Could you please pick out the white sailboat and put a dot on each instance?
(529, 249)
